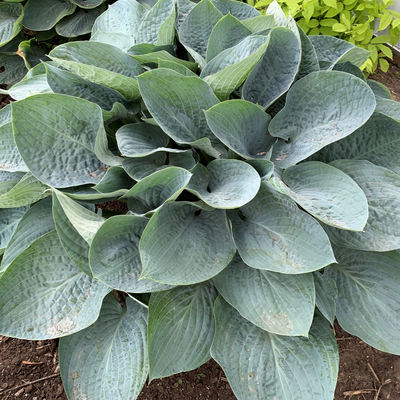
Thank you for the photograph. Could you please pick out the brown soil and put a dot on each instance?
(361, 366)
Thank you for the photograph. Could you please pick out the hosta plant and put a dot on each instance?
(45, 19)
(260, 177)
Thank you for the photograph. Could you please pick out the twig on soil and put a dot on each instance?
(360, 391)
(373, 372)
(29, 383)
(381, 384)
(344, 338)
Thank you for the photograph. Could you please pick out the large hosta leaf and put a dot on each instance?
(277, 69)
(9, 219)
(10, 159)
(377, 141)
(100, 63)
(156, 189)
(121, 18)
(177, 102)
(37, 221)
(69, 217)
(259, 23)
(326, 293)
(142, 139)
(79, 23)
(326, 193)
(261, 365)
(139, 168)
(388, 107)
(273, 234)
(281, 304)
(158, 26)
(229, 69)
(43, 295)
(225, 183)
(368, 304)
(181, 329)
(195, 31)
(333, 105)
(10, 21)
(239, 10)
(55, 135)
(114, 255)
(65, 82)
(43, 15)
(242, 126)
(227, 33)
(86, 4)
(275, 9)
(331, 50)
(382, 190)
(309, 61)
(90, 360)
(25, 191)
(183, 244)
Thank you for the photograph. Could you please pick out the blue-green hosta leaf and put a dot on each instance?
(115, 179)
(326, 293)
(276, 71)
(10, 159)
(28, 86)
(225, 183)
(85, 222)
(87, 5)
(26, 191)
(333, 105)
(195, 30)
(43, 15)
(379, 89)
(140, 167)
(158, 25)
(121, 18)
(155, 56)
(239, 10)
(388, 107)
(309, 61)
(43, 295)
(10, 21)
(275, 9)
(259, 23)
(79, 23)
(228, 32)
(184, 7)
(181, 329)
(8, 180)
(142, 139)
(277, 303)
(114, 255)
(376, 141)
(177, 102)
(229, 69)
(261, 365)
(156, 189)
(331, 50)
(242, 126)
(368, 300)
(178, 67)
(265, 168)
(326, 193)
(275, 235)
(55, 135)
(350, 69)
(65, 82)
(76, 247)
(100, 63)
(5, 115)
(89, 195)
(90, 360)
(184, 244)
(382, 190)
(36, 222)
(120, 40)
(9, 220)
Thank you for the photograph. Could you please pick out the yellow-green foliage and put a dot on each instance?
(350, 20)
